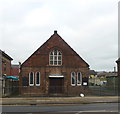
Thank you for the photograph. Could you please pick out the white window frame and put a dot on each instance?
(74, 78)
(36, 79)
(80, 79)
(56, 57)
(30, 80)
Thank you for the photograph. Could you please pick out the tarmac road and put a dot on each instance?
(67, 113)
(62, 109)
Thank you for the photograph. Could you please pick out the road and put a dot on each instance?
(61, 109)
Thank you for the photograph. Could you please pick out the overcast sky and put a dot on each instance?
(90, 27)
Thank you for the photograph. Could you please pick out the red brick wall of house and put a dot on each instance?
(14, 71)
(6, 66)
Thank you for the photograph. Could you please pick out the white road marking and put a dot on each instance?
(94, 111)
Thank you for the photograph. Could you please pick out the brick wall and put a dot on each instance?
(6, 66)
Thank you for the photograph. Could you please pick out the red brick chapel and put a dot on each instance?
(54, 69)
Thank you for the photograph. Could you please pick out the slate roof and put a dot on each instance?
(111, 74)
(108, 74)
(6, 55)
(92, 72)
(15, 66)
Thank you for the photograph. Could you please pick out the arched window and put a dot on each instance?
(37, 78)
(31, 79)
(79, 78)
(73, 79)
(55, 57)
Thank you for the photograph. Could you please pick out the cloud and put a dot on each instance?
(88, 26)
(39, 17)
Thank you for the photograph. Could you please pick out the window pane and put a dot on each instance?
(59, 53)
(78, 81)
(37, 78)
(55, 52)
(51, 57)
(51, 62)
(51, 53)
(55, 58)
(59, 57)
(59, 62)
(73, 82)
(79, 78)
(31, 78)
(73, 74)
(55, 62)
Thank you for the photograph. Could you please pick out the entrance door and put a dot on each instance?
(56, 85)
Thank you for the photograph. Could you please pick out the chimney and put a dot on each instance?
(19, 66)
(55, 31)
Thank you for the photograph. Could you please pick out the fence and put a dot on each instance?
(103, 90)
(64, 91)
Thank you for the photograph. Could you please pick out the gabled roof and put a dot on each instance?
(92, 72)
(107, 74)
(57, 36)
(5, 55)
(111, 74)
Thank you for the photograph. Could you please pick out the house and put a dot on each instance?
(6, 64)
(108, 78)
(9, 75)
(6, 71)
(112, 79)
(14, 70)
(97, 78)
(54, 69)
(93, 80)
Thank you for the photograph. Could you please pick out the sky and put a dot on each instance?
(90, 27)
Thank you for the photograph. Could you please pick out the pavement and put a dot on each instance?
(57, 100)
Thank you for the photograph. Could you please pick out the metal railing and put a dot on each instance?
(63, 91)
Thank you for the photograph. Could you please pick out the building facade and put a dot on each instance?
(6, 64)
(14, 70)
(54, 68)
(118, 66)
(5, 71)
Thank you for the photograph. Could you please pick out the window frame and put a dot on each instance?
(56, 61)
(36, 79)
(30, 79)
(73, 78)
(80, 79)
